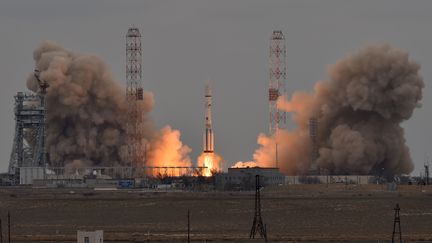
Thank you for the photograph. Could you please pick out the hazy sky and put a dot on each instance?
(187, 42)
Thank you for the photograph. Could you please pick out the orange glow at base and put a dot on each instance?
(210, 160)
(247, 164)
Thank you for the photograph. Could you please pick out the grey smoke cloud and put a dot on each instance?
(86, 113)
(369, 94)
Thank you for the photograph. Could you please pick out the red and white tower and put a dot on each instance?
(277, 76)
(134, 95)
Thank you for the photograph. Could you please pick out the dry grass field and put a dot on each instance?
(296, 213)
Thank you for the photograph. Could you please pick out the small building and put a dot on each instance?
(244, 178)
(90, 236)
(28, 174)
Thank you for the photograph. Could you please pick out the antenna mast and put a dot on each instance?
(277, 76)
(134, 95)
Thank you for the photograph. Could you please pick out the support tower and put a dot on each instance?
(277, 76)
(29, 145)
(134, 96)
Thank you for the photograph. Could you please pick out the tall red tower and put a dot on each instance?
(134, 95)
(277, 76)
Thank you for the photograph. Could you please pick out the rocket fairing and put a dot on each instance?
(208, 144)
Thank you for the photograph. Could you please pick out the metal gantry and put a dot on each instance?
(29, 144)
(29, 140)
(277, 76)
(42, 154)
(134, 95)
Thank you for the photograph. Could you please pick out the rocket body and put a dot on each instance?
(208, 144)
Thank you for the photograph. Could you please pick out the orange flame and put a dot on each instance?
(167, 150)
(210, 160)
(241, 164)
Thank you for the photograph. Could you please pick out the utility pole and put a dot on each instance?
(188, 220)
(1, 231)
(396, 230)
(277, 156)
(9, 227)
(258, 224)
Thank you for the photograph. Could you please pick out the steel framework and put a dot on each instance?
(397, 232)
(134, 95)
(258, 225)
(277, 76)
(28, 144)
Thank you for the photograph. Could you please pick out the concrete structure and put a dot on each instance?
(29, 174)
(244, 178)
(90, 236)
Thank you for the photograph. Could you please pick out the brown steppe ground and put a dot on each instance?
(295, 213)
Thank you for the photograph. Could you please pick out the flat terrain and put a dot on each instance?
(292, 213)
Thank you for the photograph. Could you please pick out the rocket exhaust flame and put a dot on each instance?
(359, 111)
(212, 161)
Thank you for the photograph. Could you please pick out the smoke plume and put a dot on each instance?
(359, 111)
(86, 114)
(167, 149)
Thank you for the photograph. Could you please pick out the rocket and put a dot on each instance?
(208, 144)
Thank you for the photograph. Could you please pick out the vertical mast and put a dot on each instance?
(277, 76)
(134, 95)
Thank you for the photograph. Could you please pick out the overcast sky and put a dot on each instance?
(187, 42)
